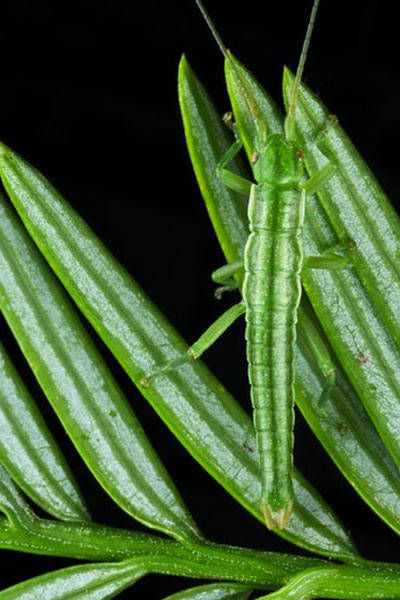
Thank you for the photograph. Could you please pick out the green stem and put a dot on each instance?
(95, 542)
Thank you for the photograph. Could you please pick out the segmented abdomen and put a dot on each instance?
(273, 260)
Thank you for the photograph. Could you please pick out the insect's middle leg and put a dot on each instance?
(202, 344)
(326, 261)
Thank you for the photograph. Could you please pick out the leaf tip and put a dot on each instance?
(184, 68)
(3, 149)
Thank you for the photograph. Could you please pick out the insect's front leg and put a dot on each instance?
(328, 259)
(316, 181)
(229, 179)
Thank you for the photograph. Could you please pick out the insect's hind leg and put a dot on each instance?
(330, 260)
(202, 344)
(330, 380)
(224, 276)
(326, 261)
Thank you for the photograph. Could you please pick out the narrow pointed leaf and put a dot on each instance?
(30, 453)
(218, 591)
(84, 582)
(201, 139)
(355, 203)
(343, 427)
(353, 309)
(80, 387)
(141, 339)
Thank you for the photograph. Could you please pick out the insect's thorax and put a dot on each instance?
(276, 202)
(277, 162)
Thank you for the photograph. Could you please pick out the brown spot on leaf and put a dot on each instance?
(363, 360)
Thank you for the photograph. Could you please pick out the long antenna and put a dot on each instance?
(260, 126)
(212, 27)
(299, 73)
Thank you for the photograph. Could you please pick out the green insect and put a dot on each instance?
(273, 261)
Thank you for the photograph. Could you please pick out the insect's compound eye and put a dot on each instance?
(300, 155)
(254, 157)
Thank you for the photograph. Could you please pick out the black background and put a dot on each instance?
(88, 95)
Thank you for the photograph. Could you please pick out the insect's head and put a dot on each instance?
(290, 118)
(277, 161)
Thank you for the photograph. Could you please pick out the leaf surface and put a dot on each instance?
(356, 206)
(357, 308)
(30, 453)
(80, 387)
(193, 404)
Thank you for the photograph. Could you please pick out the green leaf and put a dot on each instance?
(141, 339)
(343, 427)
(358, 312)
(80, 387)
(84, 582)
(355, 203)
(339, 582)
(213, 591)
(30, 453)
(201, 139)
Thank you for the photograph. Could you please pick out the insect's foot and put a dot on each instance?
(167, 368)
(277, 519)
(229, 120)
(221, 290)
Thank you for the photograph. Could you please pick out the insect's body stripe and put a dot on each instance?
(271, 291)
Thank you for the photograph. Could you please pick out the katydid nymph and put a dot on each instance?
(273, 261)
